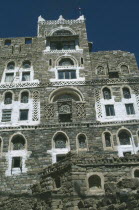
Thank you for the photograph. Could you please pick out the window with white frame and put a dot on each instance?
(124, 137)
(126, 93)
(107, 138)
(25, 76)
(9, 77)
(67, 74)
(130, 109)
(23, 114)
(24, 97)
(109, 110)
(106, 93)
(60, 141)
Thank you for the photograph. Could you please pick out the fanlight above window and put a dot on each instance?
(94, 182)
(106, 93)
(8, 98)
(66, 62)
(11, 66)
(62, 33)
(126, 93)
(66, 96)
(124, 138)
(60, 141)
(26, 64)
(18, 143)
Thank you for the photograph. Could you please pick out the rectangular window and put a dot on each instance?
(28, 40)
(60, 157)
(24, 114)
(109, 110)
(9, 77)
(6, 115)
(7, 42)
(26, 76)
(129, 109)
(113, 75)
(67, 74)
(16, 162)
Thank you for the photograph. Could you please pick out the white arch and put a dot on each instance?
(17, 134)
(62, 28)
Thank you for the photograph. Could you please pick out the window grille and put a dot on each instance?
(6, 115)
(129, 109)
(110, 110)
(62, 33)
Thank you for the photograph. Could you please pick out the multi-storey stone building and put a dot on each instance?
(57, 96)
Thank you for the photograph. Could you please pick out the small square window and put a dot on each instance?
(60, 157)
(26, 76)
(7, 42)
(9, 77)
(109, 110)
(28, 40)
(129, 109)
(6, 115)
(16, 162)
(24, 114)
(113, 75)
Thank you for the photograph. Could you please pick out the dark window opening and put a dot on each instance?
(26, 76)
(80, 205)
(26, 64)
(136, 173)
(126, 93)
(50, 62)
(24, 97)
(60, 141)
(17, 162)
(126, 154)
(94, 182)
(0, 145)
(6, 115)
(62, 33)
(109, 110)
(124, 138)
(28, 40)
(82, 141)
(129, 109)
(124, 68)
(82, 61)
(65, 117)
(60, 158)
(66, 74)
(11, 66)
(106, 93)
(24, 114)
(66, 62)
(18, 143)
(57, 182)
(7, 42)
(8, 98)
(107, 139)
(113, 75)
(65, 45)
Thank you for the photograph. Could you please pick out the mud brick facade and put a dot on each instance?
(69, 122)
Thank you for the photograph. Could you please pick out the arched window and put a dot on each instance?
(18, 143)
(24, 97)
(62, 33)
(106, 93)
(82, 141)
(94, 182)
(107, 137)
(60, 141)
(8, 98)
(124, 68)
(66, 62)
(11, 66)
(124, 137)
(136, 173)
(126, 93)
(26, 64)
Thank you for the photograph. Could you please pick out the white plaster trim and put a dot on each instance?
(62, 28)
(47, 50)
